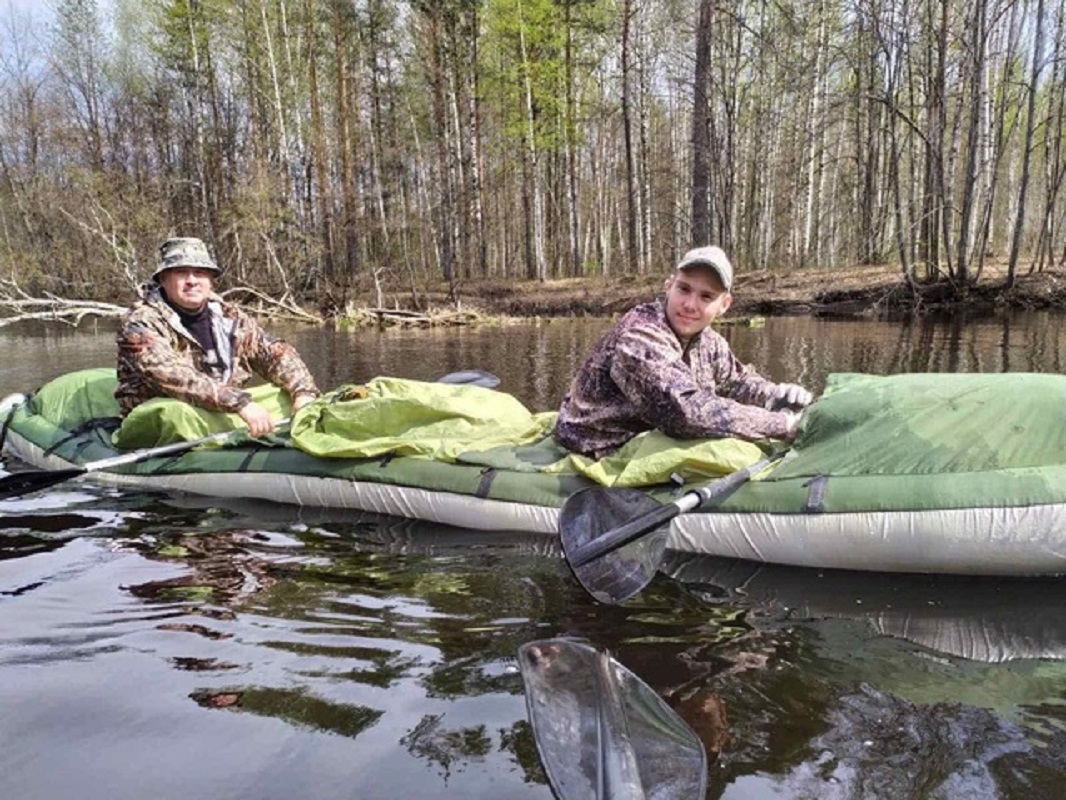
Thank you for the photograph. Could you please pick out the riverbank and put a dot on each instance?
(865, 291)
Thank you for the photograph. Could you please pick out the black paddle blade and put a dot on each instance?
(602, 732)
(618, 575)
(21, 483)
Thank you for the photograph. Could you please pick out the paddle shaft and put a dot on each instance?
(137, 456)
(646, 523)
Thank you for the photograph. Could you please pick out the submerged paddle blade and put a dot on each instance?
(615, 576)
(471, 377)
(602, 732)
(21, 483)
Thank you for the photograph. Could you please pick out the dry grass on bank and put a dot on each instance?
(858, 291)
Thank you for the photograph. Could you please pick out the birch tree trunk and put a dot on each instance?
(473, 126)
(643, 155)
(538, 267)
(569, 131)
(975, 137)
(439, 122)
(632, 200)
(319, 154)
(346, 144)
(1027, 150)
(816, 147)
(1054, 155)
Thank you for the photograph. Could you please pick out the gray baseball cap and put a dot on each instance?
(185, 252)
(713, 257)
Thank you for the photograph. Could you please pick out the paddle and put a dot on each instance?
(614, 539)
(471, 377)
(601, 731)
(21, 483)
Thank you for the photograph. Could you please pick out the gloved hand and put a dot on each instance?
(789, 395)
(793, 423)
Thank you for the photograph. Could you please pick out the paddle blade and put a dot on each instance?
(602, 732)
(471, 377)
(21, 483)
(617, 575)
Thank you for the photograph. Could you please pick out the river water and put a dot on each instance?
(171, 647)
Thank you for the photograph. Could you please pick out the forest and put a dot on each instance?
(340, 151)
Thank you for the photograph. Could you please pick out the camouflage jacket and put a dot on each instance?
(158, 357)
(639, 377)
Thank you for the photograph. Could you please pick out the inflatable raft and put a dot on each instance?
(908, 473)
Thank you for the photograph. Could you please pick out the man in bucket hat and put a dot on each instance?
(663, 367)
(181, 340)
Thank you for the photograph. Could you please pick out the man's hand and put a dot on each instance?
(258, 419)
(300, 401)
(793, 418)
(789, 396)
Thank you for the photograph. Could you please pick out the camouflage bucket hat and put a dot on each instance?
(184, 252)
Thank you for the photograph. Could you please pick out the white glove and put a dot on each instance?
(789, 395)
(793, 418)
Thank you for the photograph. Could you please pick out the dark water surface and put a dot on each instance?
(168, 647)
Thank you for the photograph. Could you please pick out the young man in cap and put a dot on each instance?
(181, 340)
(663, 367)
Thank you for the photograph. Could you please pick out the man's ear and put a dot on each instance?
(668, 282)
(727, 301)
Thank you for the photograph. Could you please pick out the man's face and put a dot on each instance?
(187, 287)
(694, 298)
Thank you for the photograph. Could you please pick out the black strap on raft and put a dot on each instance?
(247, 460)
(488, 475)
(101, 425)
(7, 423)
(816, 488)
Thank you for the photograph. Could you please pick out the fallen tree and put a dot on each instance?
(21, 306)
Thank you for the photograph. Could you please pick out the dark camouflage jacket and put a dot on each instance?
(157, 357)
(640, 377)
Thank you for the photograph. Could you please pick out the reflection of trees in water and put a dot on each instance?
(1007, 344)
(222, 568)
(294, 706)
(431, 741)
(361, 602)
(807, 349)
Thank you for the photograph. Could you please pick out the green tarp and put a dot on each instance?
(444, 423)
(406, 417)
(932, 424)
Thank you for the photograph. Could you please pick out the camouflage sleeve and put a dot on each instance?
(649, 369)
(274, 359)
(733, 378)
(147, 351)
